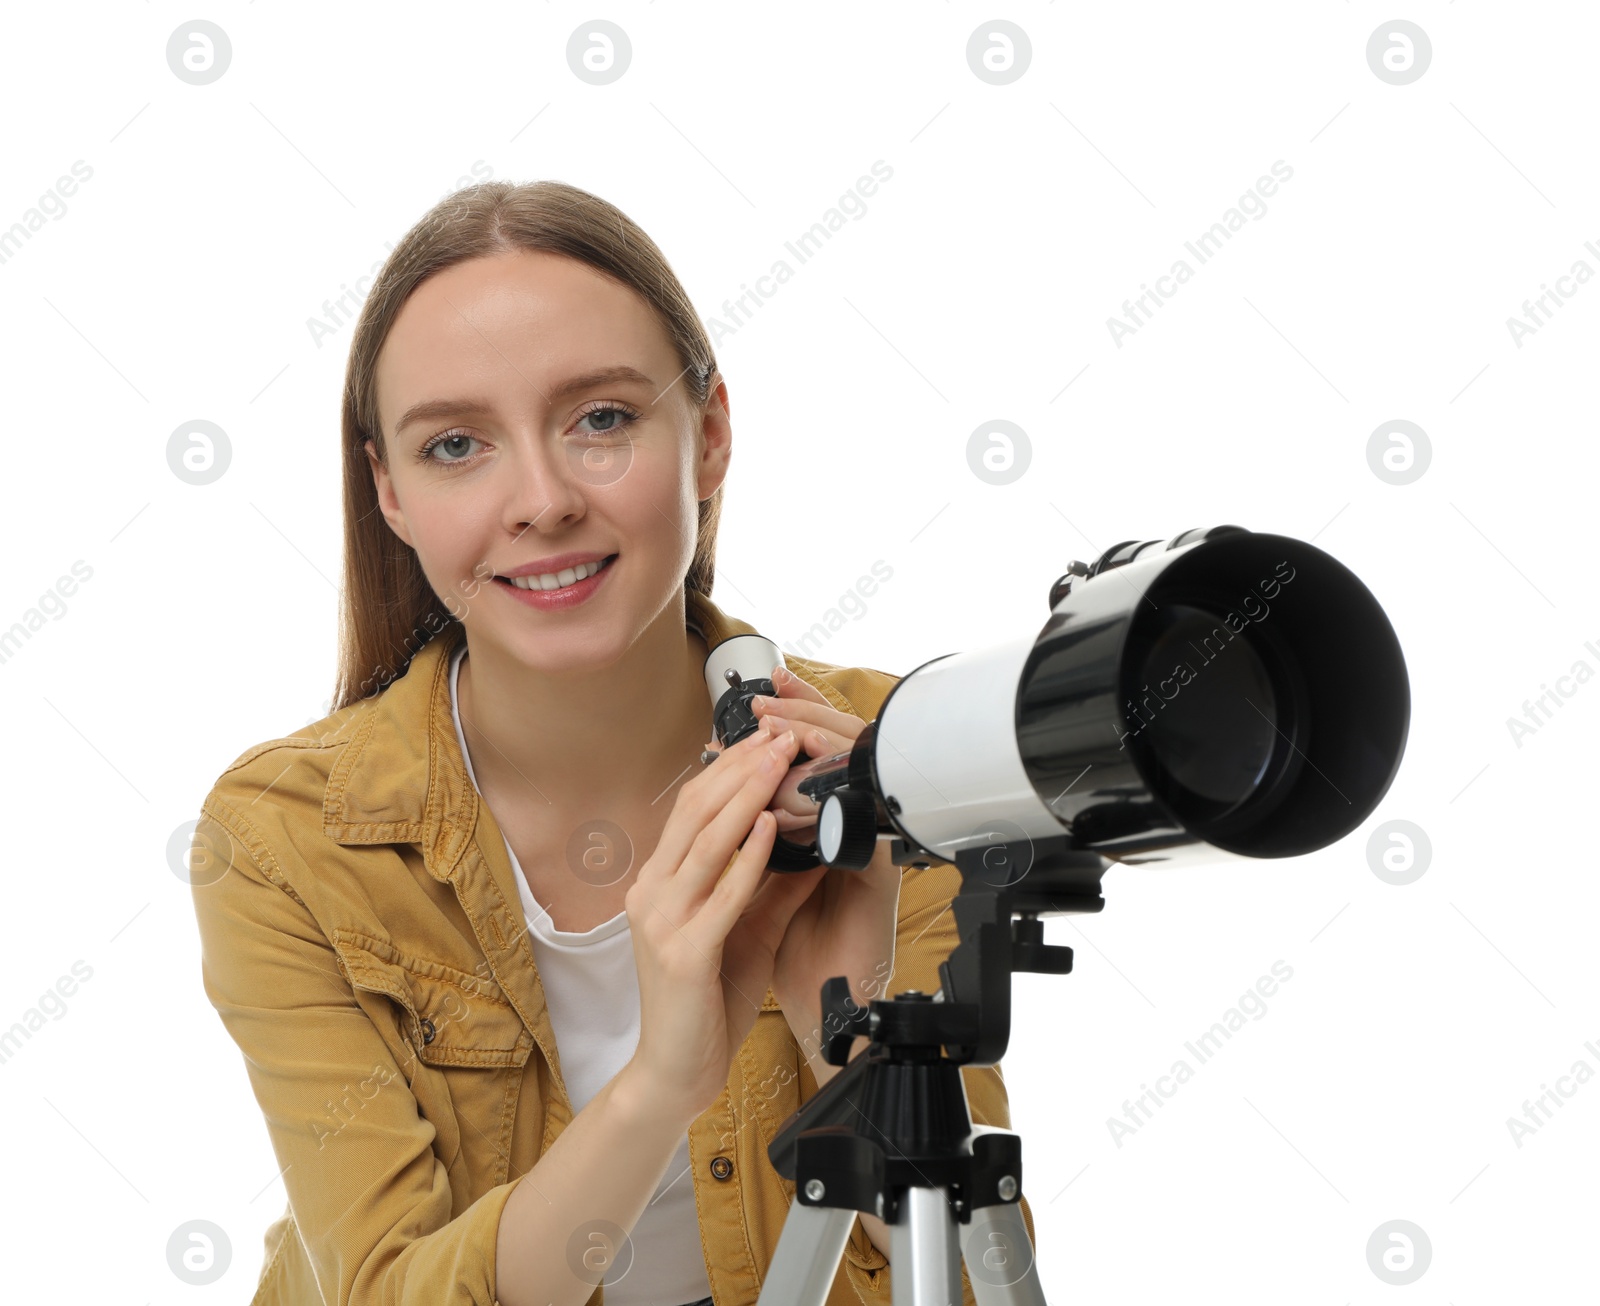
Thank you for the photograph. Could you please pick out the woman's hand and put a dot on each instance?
(707, 919)
(847, 923)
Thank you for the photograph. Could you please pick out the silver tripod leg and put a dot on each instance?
(807, 1256)
(926, 1252)
(1000, 1259)
(925, 1260)
(924, 1256)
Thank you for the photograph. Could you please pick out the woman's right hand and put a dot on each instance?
(704, 940)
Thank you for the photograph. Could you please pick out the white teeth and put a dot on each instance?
(568, 576)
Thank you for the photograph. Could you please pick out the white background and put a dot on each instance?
(180, 281)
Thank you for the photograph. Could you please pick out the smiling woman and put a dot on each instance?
(498, 308)
(503, 956)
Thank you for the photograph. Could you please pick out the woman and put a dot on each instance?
(516, 994)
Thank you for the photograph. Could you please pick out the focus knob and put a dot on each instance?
(847, 829)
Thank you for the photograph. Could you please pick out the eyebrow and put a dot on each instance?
(429, 409)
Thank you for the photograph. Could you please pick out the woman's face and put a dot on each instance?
(522, 452)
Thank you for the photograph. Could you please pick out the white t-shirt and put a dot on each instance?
(591, 986)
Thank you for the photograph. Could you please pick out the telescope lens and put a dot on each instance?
(1243, 691)
(1207, 712)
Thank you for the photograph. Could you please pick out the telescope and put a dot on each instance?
(1218, 695)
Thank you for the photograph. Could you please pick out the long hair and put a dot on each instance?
(387, 608)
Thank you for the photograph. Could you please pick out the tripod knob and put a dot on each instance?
(847, 829)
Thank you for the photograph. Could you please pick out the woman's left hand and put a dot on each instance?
(847, 923)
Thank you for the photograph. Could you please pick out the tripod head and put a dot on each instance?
(892, 1133)
(906, 1083)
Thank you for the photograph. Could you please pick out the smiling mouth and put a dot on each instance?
(533, 583)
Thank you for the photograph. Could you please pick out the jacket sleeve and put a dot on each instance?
(370, 1198)
(926, 935)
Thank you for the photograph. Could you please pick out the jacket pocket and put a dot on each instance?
(450, 1017)
(464, 1049)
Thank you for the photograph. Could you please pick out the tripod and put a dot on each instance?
(892, 1135)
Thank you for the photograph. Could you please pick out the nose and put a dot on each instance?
(544, 492)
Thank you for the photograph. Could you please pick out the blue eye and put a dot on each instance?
(441, 440)
(610, 420)
(613, 418)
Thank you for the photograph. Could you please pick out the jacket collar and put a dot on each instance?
(402, 778)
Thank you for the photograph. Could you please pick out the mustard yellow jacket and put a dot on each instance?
(364, 944)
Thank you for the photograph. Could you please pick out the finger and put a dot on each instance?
(816, 741)
(732, 893)
(794, 803)
(702, 797)
(790, 686)
(707, 855)
(803, 710)
(796, 828)
(713, 748)
(748, 742)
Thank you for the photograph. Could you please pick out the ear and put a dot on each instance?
(387, 500)
(716, 442)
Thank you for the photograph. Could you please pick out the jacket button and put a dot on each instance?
(427, 1030)
(721, 1167)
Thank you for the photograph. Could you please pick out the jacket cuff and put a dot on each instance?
(480, 1228)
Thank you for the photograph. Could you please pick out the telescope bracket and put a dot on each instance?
(917, 1043)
